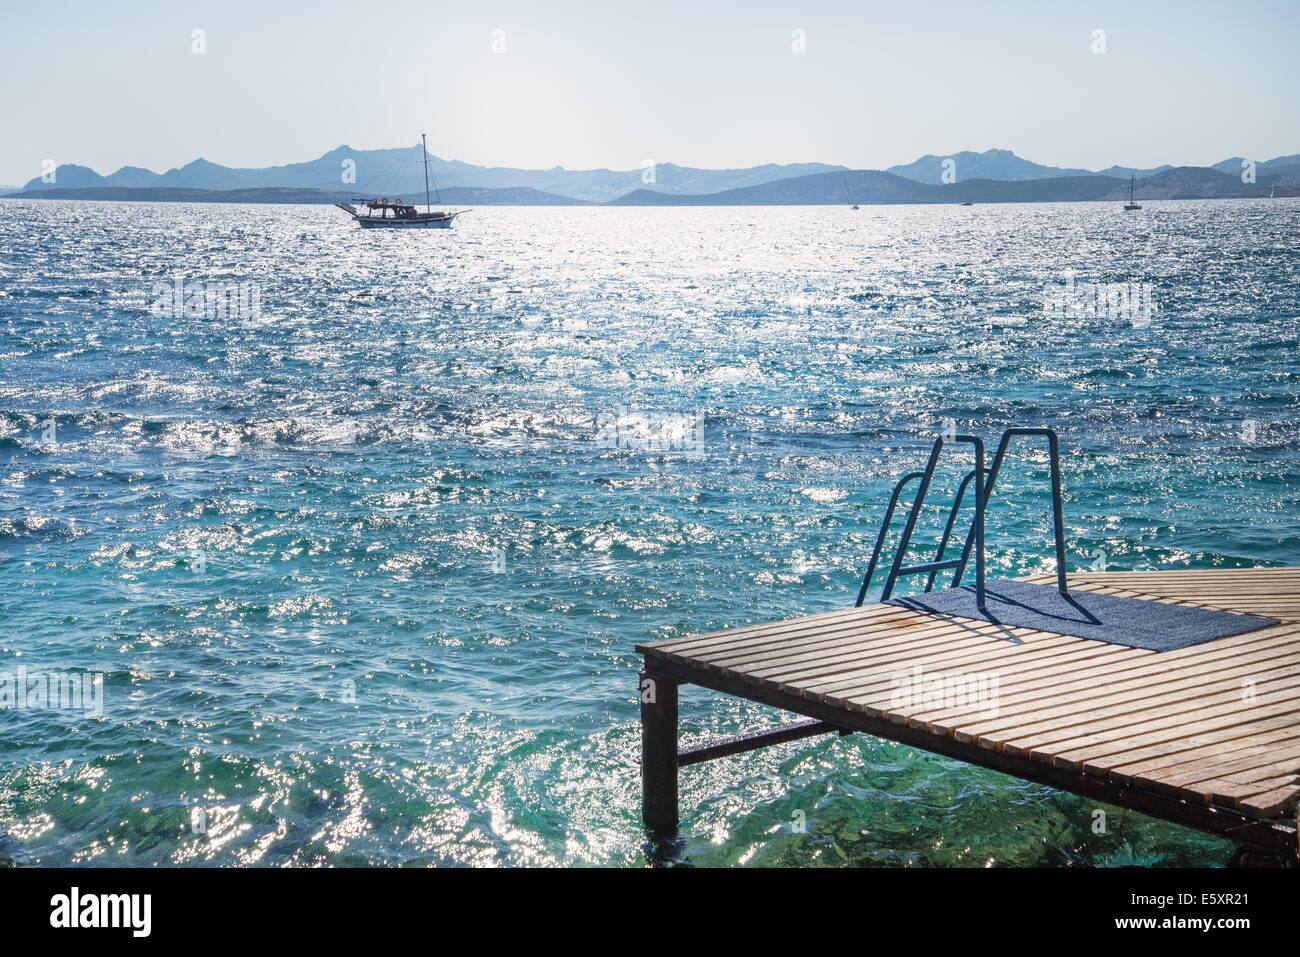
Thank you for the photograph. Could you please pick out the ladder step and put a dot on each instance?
(929, 567)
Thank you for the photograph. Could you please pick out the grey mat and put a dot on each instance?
(1134, 622)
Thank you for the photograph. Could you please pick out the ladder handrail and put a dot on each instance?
(913, 513)
(984, 484)
(947, 529)
(1058, 516)
(977, 527)
(884, 529)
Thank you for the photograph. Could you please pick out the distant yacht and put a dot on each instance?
(847, 198)
(1130, 205)
(968, 203)
(382, 214)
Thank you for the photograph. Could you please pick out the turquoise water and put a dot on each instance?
(363, 572)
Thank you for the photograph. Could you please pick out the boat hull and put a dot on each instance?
(376, 222)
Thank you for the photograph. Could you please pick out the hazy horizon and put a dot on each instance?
(511, 85)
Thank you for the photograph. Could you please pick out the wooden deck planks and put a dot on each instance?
(1213, 724)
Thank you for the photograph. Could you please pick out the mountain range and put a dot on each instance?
(877, 187)
(991, 176)
(1001, 164)
(395, 172)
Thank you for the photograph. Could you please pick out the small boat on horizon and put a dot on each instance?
(847, 198)
(1130, 205)
(383, 214)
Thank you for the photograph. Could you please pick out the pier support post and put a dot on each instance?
(659, 755)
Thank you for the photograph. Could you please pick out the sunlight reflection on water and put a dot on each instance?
(365, 587)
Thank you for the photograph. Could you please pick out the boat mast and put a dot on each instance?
(425, 146)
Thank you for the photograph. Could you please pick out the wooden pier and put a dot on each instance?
(1206, 736)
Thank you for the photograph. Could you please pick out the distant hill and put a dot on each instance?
(1233, 165)
(284, 194)
(512, 196)
(602, 185)
(999, 164)
(1060, 189)
(1124, 172)
(876, 187)
(1278, 176)
(130, 176)
(1006, 165)
(1183, 182)
(201, 174)
(70, 176)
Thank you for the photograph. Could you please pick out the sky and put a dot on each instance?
(611, 85)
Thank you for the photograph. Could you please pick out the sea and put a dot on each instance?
(323, 546)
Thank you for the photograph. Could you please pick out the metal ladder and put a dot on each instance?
(975, 536)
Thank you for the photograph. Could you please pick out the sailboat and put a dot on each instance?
(383, 214)
(1130, 205)
(847, 198)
